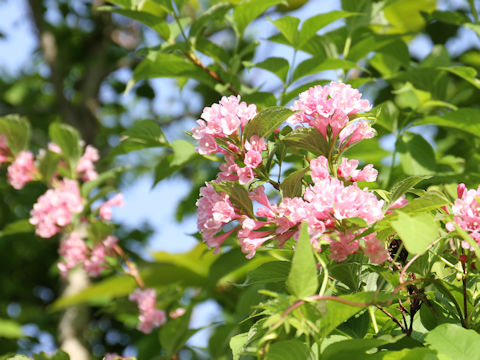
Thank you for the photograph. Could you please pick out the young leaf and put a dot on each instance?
(249, 10)
(68, 139)
(417, 231)
(267, 121)
(238, 195)
(291, 186)
(237, 344)
(303, 279)
(17, 130)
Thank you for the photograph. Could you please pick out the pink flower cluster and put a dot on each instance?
(55, 209)
(76, 252)
(85, 166)
(105, 210)
(466, 211)
(220, 121)
(22, 170)
(331, 106)
(150, 317)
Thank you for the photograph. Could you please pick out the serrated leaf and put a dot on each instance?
(465, 72)
(238, 195)
(288, 26)
(249, 10)
(68, 139)
(17, 130)
(214, 13)
(291, 186)
(417, 231)
(276, 65)
(403, 186)
(266, 122)
(303, 278)
(309, 139)
(315, 65)
(317, 22)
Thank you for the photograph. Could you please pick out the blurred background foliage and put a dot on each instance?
(95, 67)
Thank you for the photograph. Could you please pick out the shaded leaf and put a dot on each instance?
(276, 65)
(309, 139)
(68, 139)
(315, 65)
(416, 155)
(291, 186)
(466, 119)
(266, 122)
(238, 195)
(17, 130)
(288, 350)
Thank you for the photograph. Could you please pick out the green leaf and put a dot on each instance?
(288, 26)
(238, 196)
(175, 333)
(48, 165)
(68, 139)
(417, 353)
(309, 139)
(288, 350)
(103, 177)
(146, 132)
(454, 341)
(17, 227)
(465, 72)
(99, 230)
(416, 155)
(416, 231)
(403, 186)
(168, 65)
(276, 65)
(10, 329)
(303, 278)
(466, 119)
(291, 186)
(159, 24)
(352, 348)
(266, 122)
(183, 152)
(315, 65)
(317, 22)
(17, 130)
(216, 12)
(272, 271)
(237, 343)
(249, 10)
(59, 355)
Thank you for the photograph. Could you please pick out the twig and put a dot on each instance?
(394, 319)
(132, 269)
(412, 260)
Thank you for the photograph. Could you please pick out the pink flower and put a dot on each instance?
(54, 148)
(221, 120)
(55, 209)
(399, 203)
(214, 211)
(348, 171)
(253, 158)
(22, 170)
(177, 313)
(319, 167)
(4, 149)
(330, 105)
(245, 175)
(375, 249)
(105, 210)
(228, 169)
(466, 211)
(255, 144)
(251, 243)
(74, 252)
(258, 195)
(85, 165)
(95, 264)
(354, 132)
(344, 246)
(150, 317)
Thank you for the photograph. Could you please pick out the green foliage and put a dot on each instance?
(17, 130)
(416, 231)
